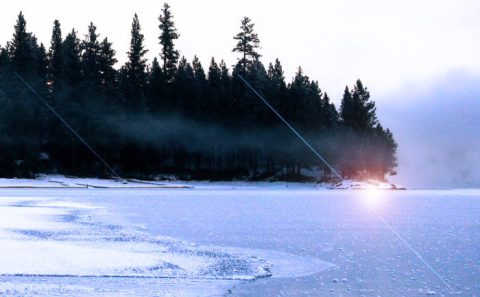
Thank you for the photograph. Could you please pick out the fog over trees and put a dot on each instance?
(174, 116)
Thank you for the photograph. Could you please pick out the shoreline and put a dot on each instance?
(63, 182)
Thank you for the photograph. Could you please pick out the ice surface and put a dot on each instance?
(55, 237)
(48, 237)
(218, 239)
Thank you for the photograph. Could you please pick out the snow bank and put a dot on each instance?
(59, 181)
(365, 185)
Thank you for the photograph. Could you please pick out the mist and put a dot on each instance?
(437, 128)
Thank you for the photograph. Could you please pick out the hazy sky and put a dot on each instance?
(383, 42)
(419, 58)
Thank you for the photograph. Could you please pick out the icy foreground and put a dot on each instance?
(44, 238)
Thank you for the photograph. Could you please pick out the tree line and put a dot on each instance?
(173, 116)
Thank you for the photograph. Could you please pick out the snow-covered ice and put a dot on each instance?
(46, 236)
(236, 239)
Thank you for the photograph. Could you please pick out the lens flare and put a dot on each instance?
(373, 197)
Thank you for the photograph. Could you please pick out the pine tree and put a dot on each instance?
(247, 44)
(329, 114)
(213, 90)
(346, 108)
(135, 69)
(71, 57)
(358, 111)
(167, 38)
(225, 104)
(277, 90)
(381, 155)
(41, 62)
(106, 62)
(198, 71)
(214, 74)
(4, 60)
(22, 54)
(156, 88)
(298, 92)
(90, 56)
(391, 146)
(55, 55)
(183, 88)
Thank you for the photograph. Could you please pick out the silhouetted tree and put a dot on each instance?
(174, 118)
(168, 36)
(106, 61)
(247, 44)
(135, 69)
(55, 54)
(71, 56)
(90, 56)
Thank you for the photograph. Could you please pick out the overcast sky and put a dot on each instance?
(402, 50)
(383, 42)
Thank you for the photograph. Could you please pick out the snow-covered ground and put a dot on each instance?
(237, 239)
(59, 181)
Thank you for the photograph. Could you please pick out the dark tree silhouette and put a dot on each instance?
(135, 70)
(167, 37)
(174, 117)
(247, 44)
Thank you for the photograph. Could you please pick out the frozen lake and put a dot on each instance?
(238, 240)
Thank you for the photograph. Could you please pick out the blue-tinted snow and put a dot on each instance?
(297, 230)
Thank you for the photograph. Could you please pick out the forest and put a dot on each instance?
(172, 117)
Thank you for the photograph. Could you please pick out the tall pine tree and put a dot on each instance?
(136, 69)
(167, 38)
(90, 56)
(55, 55)
(71, 57)
(247, 44)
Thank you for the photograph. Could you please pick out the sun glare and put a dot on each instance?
(373, 197)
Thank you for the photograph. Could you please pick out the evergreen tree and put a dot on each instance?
(277, 87)
(4, 60)
(329, 114)
(390, 154)
(214, 74)
(41, 62)
(213, 89)
(90, 56)
(55, 54)
(381, 156)
(202, 104)
(224, 106)
(198, 71)
(247, 44)
(346, 108)
(106, 62)
(358, 111)
(167, 37)
(71, 57)
(135, 69)
(156, 87)
(22, 54)
(87, 89)
(276, 75)
(298, 93)
(183, 91)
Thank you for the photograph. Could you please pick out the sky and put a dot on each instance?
(393, 46)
